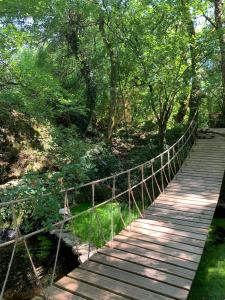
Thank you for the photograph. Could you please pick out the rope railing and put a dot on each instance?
(153, 177)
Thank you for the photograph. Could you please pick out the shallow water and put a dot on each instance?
(22, 283)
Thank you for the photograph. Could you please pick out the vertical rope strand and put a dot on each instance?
(112, 215)
(161, 172)
(142, 187)
(66, 209)
(168, 162)
(129, 195)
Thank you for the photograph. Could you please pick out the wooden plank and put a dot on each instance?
(204, 190)
(176, 261)
(181, 198)
(203, 218)
(194, 199)
(173, 215)
(205, 180)
(159, 248)
(176, 221)
(85, 290)
(162, 241)
(202, 170)
(189, 182)
(187, 234)
(189, 179)
(183, 207)
(199, 159)
(212, 161)
(142, 270)
(136, 280)
(202, 164)
(202, 175)
(208, 204)
(172, 225)
(196, 196)
(137, 258)
(165, 235)
(116, 286)
(54, 293)
(186, 185)
(187, 203)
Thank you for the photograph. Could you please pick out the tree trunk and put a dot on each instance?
(91, 89)
(218, 4)
(179, 118)
(73, 40)
(113, 94)
(161, 133)
(194, 100)
(113, 78)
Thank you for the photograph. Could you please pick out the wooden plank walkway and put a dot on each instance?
(157, 256)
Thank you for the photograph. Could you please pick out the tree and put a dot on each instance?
(219, 25)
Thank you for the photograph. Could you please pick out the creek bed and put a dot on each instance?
(22, 284)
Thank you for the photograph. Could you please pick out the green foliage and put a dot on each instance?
(103, 162)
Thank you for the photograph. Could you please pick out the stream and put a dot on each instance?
(22, 283)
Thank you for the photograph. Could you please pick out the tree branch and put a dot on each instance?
(210, 20)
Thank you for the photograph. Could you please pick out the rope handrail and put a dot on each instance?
(97, 181)
(176, 154)
(140, 165)
(149, 162)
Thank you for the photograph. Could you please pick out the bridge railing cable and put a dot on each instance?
(151, 179)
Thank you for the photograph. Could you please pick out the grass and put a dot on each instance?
(209, 283)
(96, 226)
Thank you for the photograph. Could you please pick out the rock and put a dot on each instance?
(79, 247)
(7, 235)
(64, 211)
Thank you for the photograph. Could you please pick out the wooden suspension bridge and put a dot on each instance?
(155, 257)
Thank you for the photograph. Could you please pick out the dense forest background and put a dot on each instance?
(88, 88)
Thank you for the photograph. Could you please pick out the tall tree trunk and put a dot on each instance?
(73, 40)
(111, 51)
(161, 133)
(113, 93)
(184, 101)
(194, 100)
(179, 118)
(195, 97)
(218, 4)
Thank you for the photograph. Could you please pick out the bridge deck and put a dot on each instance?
(157, 256)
